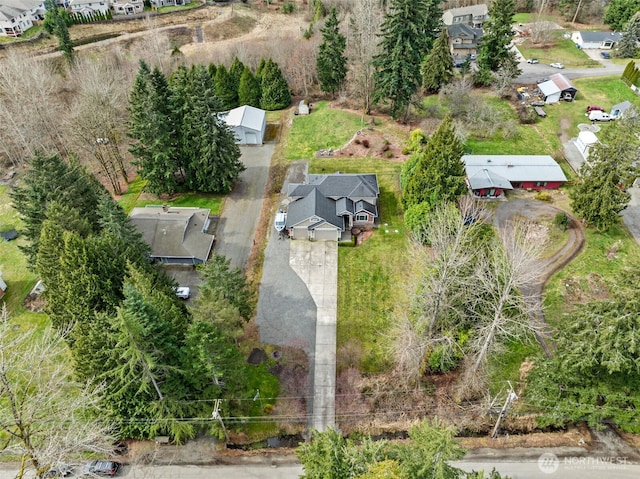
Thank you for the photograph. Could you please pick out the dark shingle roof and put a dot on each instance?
(600, 36)
(314, 204)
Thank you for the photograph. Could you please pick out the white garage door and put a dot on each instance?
(326, 234)
(251, 137)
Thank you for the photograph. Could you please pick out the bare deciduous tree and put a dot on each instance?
(362, 45)
(98, 117)
(30, 110)
(45, 417)
(542, 31)
(502, 311)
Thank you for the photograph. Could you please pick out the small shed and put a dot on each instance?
(567, 90)
(303, 108)
(585, 140)
(550, 91)
(248, 123)
(619, 110)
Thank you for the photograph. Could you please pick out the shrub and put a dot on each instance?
(357, 141)
(561, 220)
(526, 115)
(288, 8)
(543, 196)
(389, 154)
(365, 143)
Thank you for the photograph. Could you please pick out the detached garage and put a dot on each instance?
(248, 124)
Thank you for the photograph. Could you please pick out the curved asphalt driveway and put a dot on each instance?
(533, 209)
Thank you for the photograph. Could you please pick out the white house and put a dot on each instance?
(601, 40)
(249, 124)
(168, 3)
(17, 16)
(89, 7)
(473, 15)
(126, 7)
(619, 110)
(550, 91)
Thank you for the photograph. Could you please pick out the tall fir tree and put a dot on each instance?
(437, 68)
(627, 47)
(332, 62)
(407, 35)
(50, 178)
(494, 52)
(226, 89)
(209, 151)
(439, 175)
(275, 91)
(152, 125)
(249, 89)
(236, 69)
(57, 21)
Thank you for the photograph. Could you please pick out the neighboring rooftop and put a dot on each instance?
(601, 36)
(515, 168)
(176, 235)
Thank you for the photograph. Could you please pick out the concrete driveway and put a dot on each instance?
(297, 306)
(241, 211)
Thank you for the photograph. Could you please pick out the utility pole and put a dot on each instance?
(511, 396)
(216, 415)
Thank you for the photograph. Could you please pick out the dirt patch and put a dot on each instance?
(231, 27)
(583, 290)
(565, 129)
(372, 143)
(573, 436)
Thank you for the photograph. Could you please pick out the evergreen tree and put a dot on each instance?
(407, 35)
(226, 89)
(209, 151)
(57, 22)
(275, 91)
(235, 74)
(494, 52)
(331, 62)
(439, 175)
(249, 89)
(627, 47)
(601, 194)
(49, 179)
(437, 69)
(153, 127)
(619, 12)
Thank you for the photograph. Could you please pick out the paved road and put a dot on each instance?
(241, 211)
(532, 73)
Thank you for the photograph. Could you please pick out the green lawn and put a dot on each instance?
(324, 128)
(582, 279)
(370, 275)
(133, 198)
(31, 33)
(13, 264)
(559, 49)
(173, 8)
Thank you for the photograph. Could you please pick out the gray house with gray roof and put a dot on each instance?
(177, 235)
(329, 207)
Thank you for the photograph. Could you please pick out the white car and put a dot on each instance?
(597, 115)
(557, 65)
(532, 60)
(183, 292)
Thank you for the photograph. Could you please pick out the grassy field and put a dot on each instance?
(13, 264)
(584, 279)
(324, 128)
(368, 273)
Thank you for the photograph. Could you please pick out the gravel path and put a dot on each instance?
(534, 209)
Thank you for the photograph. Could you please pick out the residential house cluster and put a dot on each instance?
(17, 16)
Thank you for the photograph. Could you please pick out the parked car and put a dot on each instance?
(597, 115)
(605, 55)
(183, 292)
(557, 65)
(591, 108)
(101, 468)
(532, 60)
(61, 470)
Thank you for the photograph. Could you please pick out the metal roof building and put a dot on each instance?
(249, 124)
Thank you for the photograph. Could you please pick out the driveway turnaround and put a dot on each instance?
(241, 211)
(316, 263)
